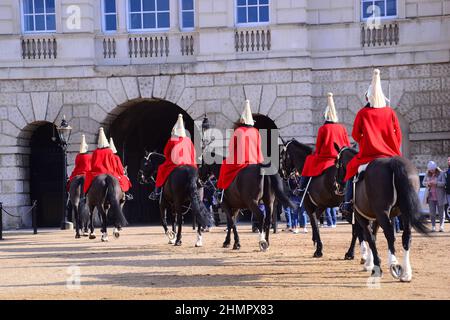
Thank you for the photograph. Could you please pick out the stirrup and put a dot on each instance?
(218, 194)
(154, 196)
(128, 196)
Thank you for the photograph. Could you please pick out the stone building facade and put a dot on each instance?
(285, 67)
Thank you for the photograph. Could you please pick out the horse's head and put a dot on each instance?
(293, 156)
(345, 154)
(149, 166)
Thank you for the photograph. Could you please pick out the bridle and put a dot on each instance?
(339, 184)
(143, 179)
(284, 157)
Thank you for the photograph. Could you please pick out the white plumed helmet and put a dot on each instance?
(179, 130)
(102, 140)
(247, 117)
(83, 145)
(375, 93)
(112, 146)
(330, 112)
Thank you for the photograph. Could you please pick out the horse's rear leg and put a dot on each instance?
(237, 243)
(91, 222)
(77, 220)
(406, 275)
(373, 260)
(178, 242)
(102, 213)
(199, 242)
(268, 220)
(228, 213)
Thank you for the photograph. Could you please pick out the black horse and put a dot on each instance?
(324, 191)
(180, 194)
(387, 188)
(78, 205)
(249, 187)
(106, 195)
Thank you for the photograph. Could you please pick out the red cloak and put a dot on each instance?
(103, 162)
(179, 151)
(378, 134)
(82, 166)
(244, 149)
(325, 154)
(124, 181)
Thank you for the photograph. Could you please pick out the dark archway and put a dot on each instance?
(146, 125)
(47, 175)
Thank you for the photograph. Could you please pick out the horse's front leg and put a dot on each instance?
(228, 213)
(350, 254)
(313, 214)
(263, 245)
(406, 275)
(268, 221)
(237, 243)
(77, 220)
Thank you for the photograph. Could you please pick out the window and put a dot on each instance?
(148, 14)
(378, 8)
(252, 11)
(109, 15)
(187, 14)
(39, 16)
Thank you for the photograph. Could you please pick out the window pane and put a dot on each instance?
(242, 15)
(149, 21)
(252, 2)
(50, 5)
(252, 14)
(391, 8)
(264, 14)
(188, 19)
(263, 1)
(163, 20)
(379, 8)
(241, 2)
(367, 9)
(110, 22)
(149, 5)
(40, 22)
(135, 5)
(110, 6)
(188, 4)
(162, 5)
(28, 20)
(39, 6)
(51, 25)
(136, 21)
(28, 6)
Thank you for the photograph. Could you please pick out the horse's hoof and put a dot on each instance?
(178, 243)
(85, 234)
(172, 241)
(376, 272)
(236, 246)
(170, 235)
(77, 236)
(396, 271)
(226, 245)
(406, 276)
(318, 254)
(105, 239)
(116, 234)
(198, 245)
(263, 245)
(92, 236)
(349, 256)
(362, 261)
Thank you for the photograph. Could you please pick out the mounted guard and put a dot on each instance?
(124, 181)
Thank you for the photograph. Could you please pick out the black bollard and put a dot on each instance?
(33, 217)
(1, 221)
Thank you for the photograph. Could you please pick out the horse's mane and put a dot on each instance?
(300, 145)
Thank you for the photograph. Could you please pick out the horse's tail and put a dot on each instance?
(199, 210)
(277, 185)
(408, 198)
(111, 197)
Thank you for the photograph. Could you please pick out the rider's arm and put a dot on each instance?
(357, 128)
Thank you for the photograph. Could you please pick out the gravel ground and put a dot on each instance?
(142, 265)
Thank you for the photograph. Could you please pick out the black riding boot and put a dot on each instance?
(302, 186)
(155, 194)
(347, 206)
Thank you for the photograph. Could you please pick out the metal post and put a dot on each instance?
(64, 179)
(33, 217)
(1, 220)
